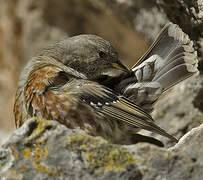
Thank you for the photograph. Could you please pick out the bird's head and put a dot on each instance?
(89, 55)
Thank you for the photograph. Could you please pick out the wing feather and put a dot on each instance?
(119, 108)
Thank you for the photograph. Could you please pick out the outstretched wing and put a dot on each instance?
(119, 108)
(170, 59)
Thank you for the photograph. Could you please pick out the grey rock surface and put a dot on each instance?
(43, 149)
(180, 109)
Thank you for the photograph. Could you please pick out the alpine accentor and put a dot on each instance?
(80, 82)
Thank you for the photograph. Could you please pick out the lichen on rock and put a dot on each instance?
(43, 149)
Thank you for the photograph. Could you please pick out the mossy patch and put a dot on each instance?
(99, 154)
(37, 154)
(41, 126)
(110, 159)
(15, 152)
(37, 151)
(84, 142)
(26, 152)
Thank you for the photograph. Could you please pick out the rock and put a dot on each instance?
(43, 149)
(47, 150)
(4, 134)
(180, 109)
(191, 146)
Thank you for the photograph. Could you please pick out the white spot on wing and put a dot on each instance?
(99, 104)
(92, 104)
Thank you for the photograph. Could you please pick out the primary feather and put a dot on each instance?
(119, 108)
(168, 61)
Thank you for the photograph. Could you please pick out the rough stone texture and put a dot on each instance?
(142, 15)
(188, 14)
(180, 109)
(44, 149)
(47, 150)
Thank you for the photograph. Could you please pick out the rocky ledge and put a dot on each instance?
(43, 149)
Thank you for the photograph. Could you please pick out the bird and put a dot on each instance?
(80, 82)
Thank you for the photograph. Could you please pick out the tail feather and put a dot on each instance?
(175, 75)
(137, 138)
(175, 59)
(168, 61)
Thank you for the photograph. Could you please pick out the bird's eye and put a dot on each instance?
(102, 54)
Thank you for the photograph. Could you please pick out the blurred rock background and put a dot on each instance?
(28, 25)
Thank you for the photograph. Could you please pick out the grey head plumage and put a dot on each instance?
(88, 54)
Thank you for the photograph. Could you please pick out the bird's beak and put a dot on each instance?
(116, 70)
(112, 75)
(120, 67)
